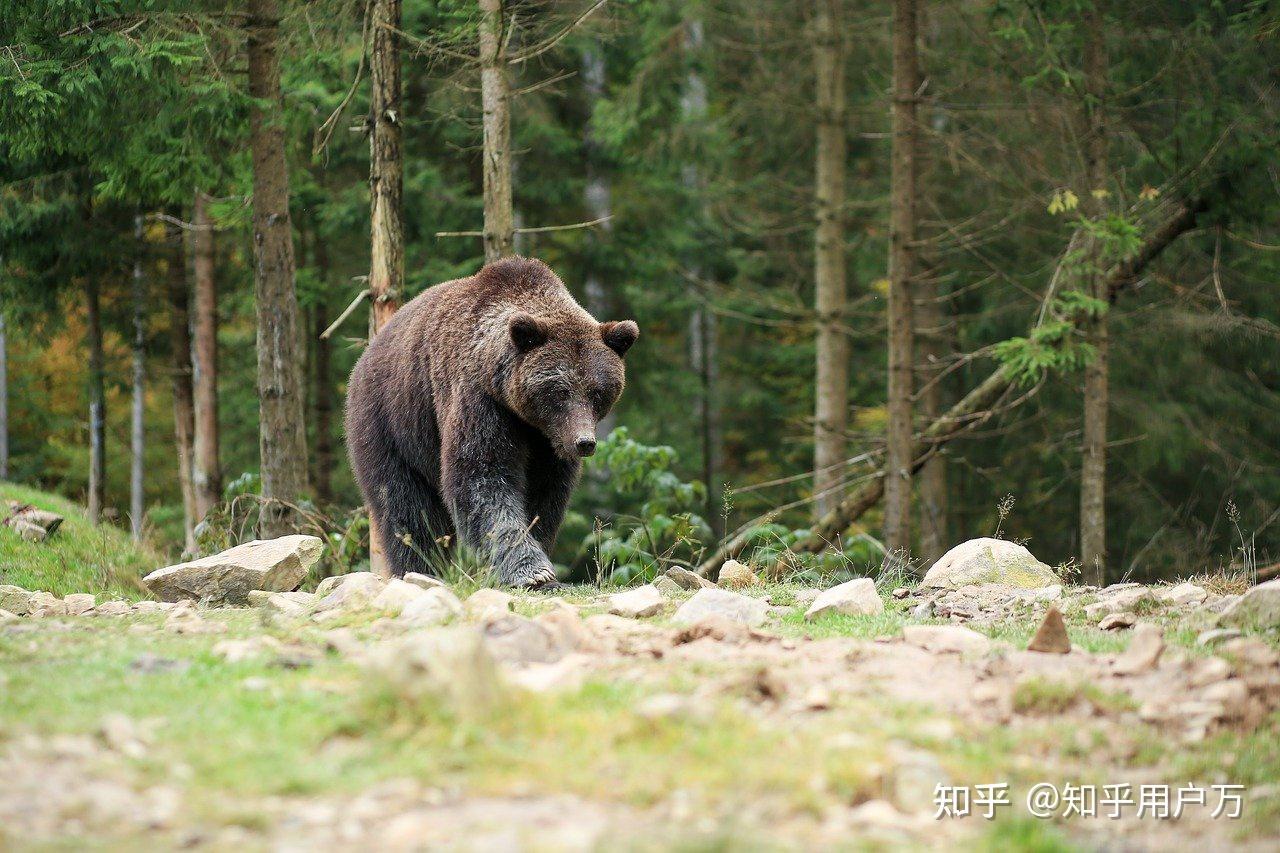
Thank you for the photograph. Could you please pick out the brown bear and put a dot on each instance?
(471, 410)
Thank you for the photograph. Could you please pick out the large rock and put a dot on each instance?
(982, 561)
(735, 575)
(15, 599)
(352, 592)
(1257, 608)
(732, 605)
(227, 578)
(857, 597)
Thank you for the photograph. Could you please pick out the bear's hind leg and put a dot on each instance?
(413, 522)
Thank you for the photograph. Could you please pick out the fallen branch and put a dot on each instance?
(355, 303)
(541, 229)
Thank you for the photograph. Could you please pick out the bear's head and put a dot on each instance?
(566, 376)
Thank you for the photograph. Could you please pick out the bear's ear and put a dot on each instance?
(619, 336)
(526, 332)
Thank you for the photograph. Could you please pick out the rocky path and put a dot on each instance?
(403, 715)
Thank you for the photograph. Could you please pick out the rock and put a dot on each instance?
(28, 530)
(515, 639)
(290, 605)
(688, 580)
(901, 593)
(1051, 637)
(663, 706)
(1143, 653)
(740, 608)
(274, 564)
(352, 592)
(636, 603)
(121, 735)
(667, 587)
(1209, 671)
(185, 620)
(946, 638)
(857, 597)
(570, 631)
(1220, 603)
(424, 581)
(716, 627)
(817, 698)
(111, 608)
(78, 603)
(434, 606)
(6, 616)
(735, 575)
(1183, 594)
(236, 651)
(46, 604)
(150, 606)
(453, 666)
(482, 601)
(916, 775)
(1257, 608)
(1217, 635)
(15, 599)
(805, 597)
(1118, 621)
(923, 610)
(1124, 599)
(980, 561)
(396, 595)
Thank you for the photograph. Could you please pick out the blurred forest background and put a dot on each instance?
(1021, 255)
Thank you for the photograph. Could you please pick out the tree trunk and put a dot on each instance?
(386, 168)
(597, 199)
(4, 402)
(97, 405)
(495, 93)
(831, 408)
(902, 226)
(931, 330)
(322, 389)
(183, 398)
(1093, 469)
(137, 431)
(282, 439)
(974, 408)
(207, 470)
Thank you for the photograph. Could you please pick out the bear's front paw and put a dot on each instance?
(531, 572)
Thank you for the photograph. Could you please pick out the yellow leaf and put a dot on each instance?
(1101, 193)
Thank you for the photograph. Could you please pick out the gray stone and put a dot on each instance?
(688, 580)
(6, 616)
(1143, 653)
(1117, 621)
(78, 603)
(1118, 601)
(424, 581)
(946, 638)
(15, 599)
(806, 597)
(515, 639)
(1218, 635)
(435, 606)
(1183, 594)
(1257, 608)
(46, 604)
(857, 597)
(352, 592)
(981, 561)
(740, 608)
(483, 601)
(111, 608)
(396, 595)
(735, 575)
(451, 666)
(226, 579)
(637, 603)
(668, 587)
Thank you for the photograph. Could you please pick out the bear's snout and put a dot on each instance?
(585, 445)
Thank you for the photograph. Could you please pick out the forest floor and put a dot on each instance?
(542, 721)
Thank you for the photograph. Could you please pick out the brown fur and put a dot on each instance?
(468, 414)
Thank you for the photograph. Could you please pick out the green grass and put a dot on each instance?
(78, 558)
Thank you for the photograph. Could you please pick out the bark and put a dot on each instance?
(322, 375)
(97, 404)
(282, 438)
(386, 168)
(183, 397)
(597, 199)
(902, 227)
(1093, 468)
(207, 469)
(971, 410)
(495, 93)
(831, 408)
(4, 402)
(137, 431)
